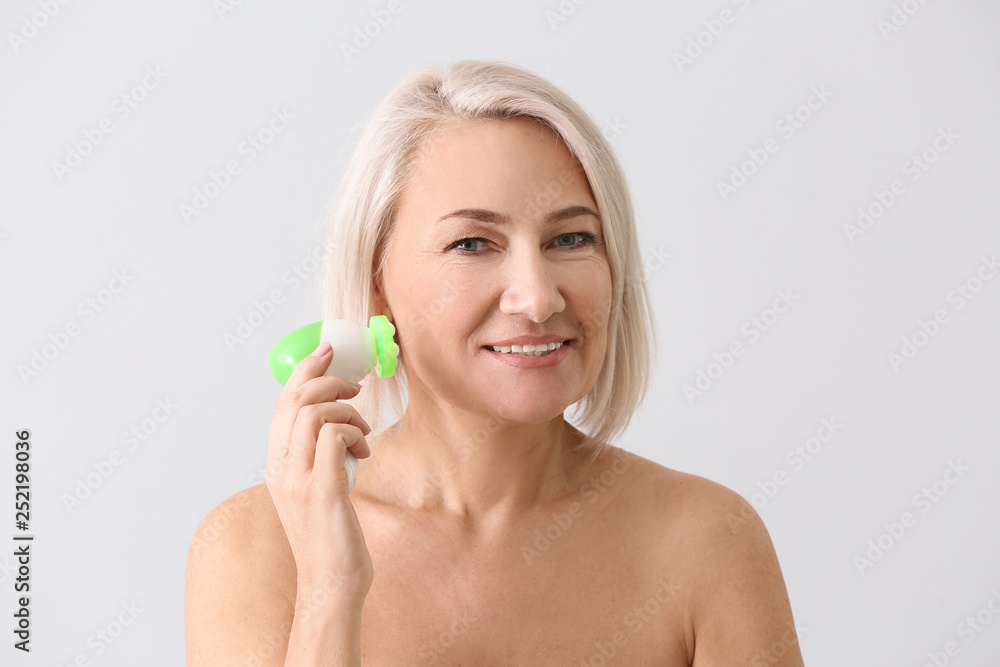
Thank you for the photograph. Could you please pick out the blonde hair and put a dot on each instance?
(363, 210)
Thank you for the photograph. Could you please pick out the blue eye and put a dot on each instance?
(463, 242)
(585, 239)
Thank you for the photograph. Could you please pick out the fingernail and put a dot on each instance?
(323, 348)
(355, 384)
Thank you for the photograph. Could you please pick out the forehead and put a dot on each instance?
(491, 137)
(496, 164)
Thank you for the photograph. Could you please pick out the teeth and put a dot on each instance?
(527, 350)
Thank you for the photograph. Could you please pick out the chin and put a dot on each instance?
(525, 410)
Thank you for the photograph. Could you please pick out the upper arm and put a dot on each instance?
(742, 615)
(236, 605)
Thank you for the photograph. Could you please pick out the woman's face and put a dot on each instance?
(493, 241)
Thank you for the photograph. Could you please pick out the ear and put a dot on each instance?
(381, 304)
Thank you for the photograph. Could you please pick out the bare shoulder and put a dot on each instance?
(712, 512)
(675, 496)
(713, 541)
(243, 535)
(709, 527)
(236, 583)
(718, 546)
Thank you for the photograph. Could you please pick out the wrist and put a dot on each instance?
(339, 596)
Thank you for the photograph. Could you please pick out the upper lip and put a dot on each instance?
(530, 340)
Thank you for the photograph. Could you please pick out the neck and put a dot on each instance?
(477, 469)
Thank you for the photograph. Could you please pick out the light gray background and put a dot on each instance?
(680, 130)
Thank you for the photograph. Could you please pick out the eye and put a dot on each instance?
(468, 246)
(457, 245)
(587, 240)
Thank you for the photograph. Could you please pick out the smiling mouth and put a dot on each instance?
(527, 350)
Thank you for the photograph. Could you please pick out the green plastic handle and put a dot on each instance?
(288, 352)
(292, 349)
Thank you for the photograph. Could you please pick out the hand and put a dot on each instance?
(305, 476)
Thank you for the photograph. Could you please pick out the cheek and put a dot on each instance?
(433, 310)
(592, 296)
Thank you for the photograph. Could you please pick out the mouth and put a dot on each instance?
(541, 350)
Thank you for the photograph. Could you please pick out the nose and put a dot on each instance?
(532, 287)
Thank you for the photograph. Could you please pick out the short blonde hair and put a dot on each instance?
(363, 210)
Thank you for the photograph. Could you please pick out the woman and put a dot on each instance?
(485, 215)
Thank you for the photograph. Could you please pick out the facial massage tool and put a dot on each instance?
(357, 350)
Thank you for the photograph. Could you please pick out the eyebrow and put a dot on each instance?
(483, 215)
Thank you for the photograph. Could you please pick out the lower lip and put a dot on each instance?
(524, 361)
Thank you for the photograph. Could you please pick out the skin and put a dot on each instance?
(526, 278)
(491, 542)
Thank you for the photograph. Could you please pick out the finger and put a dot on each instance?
(309, 422)
(312, 366)
(288, 401)
(333, 441)
(315, 389)
(329, 388)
